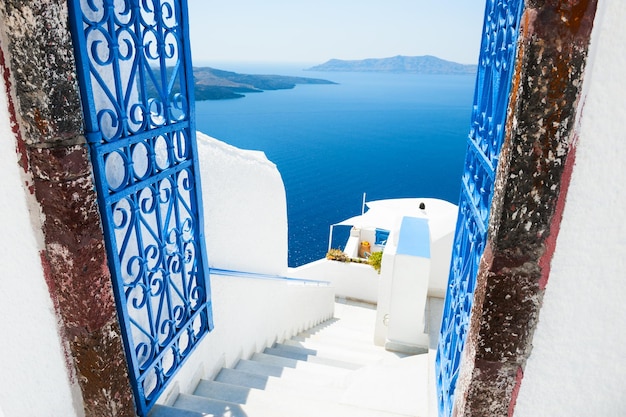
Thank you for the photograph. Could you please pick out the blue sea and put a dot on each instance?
(386, 135)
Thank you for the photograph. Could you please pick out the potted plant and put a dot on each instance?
(375, 260)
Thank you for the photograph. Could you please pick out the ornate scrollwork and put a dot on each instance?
(135, 52)
(133, 60)
(496, 64)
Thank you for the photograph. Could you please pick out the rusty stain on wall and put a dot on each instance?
(532, 179)
(38, 64)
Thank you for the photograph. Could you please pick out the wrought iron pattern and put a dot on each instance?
(137, 87)
(491, 97)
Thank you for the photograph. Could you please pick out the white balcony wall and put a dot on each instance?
(409, 288)
(246, 230)
(245, 209)
(350, 280)
(441, 254)
(577, 365)
(35, 372)
(384, 288)
(251, 314)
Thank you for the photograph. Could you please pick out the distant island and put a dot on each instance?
(426, 64)
(214, 84)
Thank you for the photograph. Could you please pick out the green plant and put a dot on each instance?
(375, 259)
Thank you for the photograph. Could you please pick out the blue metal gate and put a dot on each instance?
(136, 84)
(491, 98)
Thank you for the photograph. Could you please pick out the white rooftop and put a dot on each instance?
(387, 214)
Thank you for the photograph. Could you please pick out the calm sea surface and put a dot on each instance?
(387, 135)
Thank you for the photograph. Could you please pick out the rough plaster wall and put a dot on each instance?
(47, 117)
(45, 78)
(530, 189)
(245, 209)
(34, 377)
(577, 366)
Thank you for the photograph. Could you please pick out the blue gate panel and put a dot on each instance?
(136, 84)
(491, 98)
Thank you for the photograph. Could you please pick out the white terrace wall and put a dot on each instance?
(350, 280)
(34, 380)
(245, 209)
(246, 230)
(251, 314)
(577, 365)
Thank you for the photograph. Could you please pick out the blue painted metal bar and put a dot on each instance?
(142, 136)
(255, 275)
(491, 98)
(136, 81)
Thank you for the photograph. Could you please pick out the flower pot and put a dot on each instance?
(365, 250)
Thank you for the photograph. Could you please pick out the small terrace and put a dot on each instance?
(327, 338)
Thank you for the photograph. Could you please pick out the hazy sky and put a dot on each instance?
(314, 31)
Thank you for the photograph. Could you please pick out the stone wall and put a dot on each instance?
(576, 367)
(32, 346)
(46, 115)
(533, 175)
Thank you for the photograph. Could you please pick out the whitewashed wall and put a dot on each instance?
(245, 209)
(384, 288)
(34, 378)
(577, 366)
(246, 230)
(350, 280)
(249, 315)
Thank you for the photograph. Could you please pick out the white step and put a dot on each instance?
(399, 386)
(209, 408)
(277, 390)
(222, 391)
(342, 349)
(165, 411)
(317, 368)
(292, 353)
(291, 375)
(347, 342)
(333, 369)
(242, 379)
(263, 382)
(339, 353)
(264, 407)
(339, 331)
(260, 368)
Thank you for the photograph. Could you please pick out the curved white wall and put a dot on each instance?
(577, 365)
(245, 208)
(246, 230)
(34, 375)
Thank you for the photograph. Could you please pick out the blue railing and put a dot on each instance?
(136, 82)
(491, 98)
(256, 275)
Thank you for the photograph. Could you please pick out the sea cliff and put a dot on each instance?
(215, 84)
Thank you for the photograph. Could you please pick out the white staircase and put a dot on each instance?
(333, 369)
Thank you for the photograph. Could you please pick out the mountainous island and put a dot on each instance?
(214, 84)
(426, 64)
